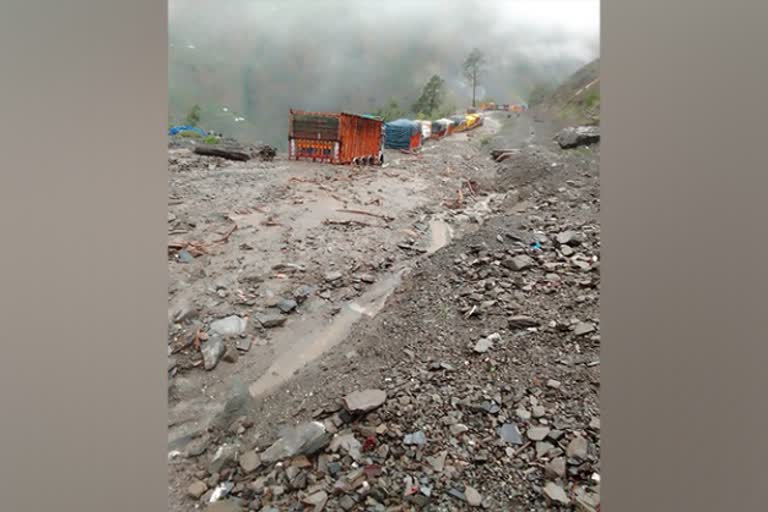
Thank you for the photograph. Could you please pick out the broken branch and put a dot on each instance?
(346, 222)
(225, 238)
(386, 218)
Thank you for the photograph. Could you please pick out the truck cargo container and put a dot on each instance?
(459, 123)
(402, 134)
(335, 137)
(473, 121)
(426, 129)
(440, 128)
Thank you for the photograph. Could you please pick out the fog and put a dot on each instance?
(258, 58)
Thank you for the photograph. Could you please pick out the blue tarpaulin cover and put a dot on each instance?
(176, 129)
(397, 134)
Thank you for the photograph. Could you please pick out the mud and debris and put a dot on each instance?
(418, 336)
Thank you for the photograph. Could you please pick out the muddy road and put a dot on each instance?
(316, 246)
(464, 290)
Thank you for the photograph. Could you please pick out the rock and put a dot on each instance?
(522, 322)
(287, 305)
(250, 461)
(292, 472)
(197, 447)
(595, 424)
(537, 433)
(212, 350)
(419, 501)
(229, 326)
(486, 406)
(474, 499)
(581, 265)
(543, 449)
(304, 439)
(554, 384)
(523, 414)
(224, 506)
(572, 137)
(417, 439)
(270, 320)
(583, 328)
(244, 344)
(556, 493)
(349, 444)
(302, 293)
(184, 311)
(230, 355)
(566, 250)
(458, 429)
(556, 468)
(333, 276)
(368, 278)
(569, 238)
(317, 500)
(510, 433)
(221, 491)
(483, 345)
(364, 401)
(239, 404)
(347, 503)
(438, 461)
(225, 456)
(577, 448)
(334, 468)
(184, 256)
(197, 489)
(586, 501)
(518, 263)
(555, 435)
(538, 411)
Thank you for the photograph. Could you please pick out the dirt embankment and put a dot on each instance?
(474, 310)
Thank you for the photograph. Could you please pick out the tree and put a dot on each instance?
(446, 111)
(391, 112)
(193, 117)
(431, 97)
(473, 67)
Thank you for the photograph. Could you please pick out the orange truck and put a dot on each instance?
(335, 137)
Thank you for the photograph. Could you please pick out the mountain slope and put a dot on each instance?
(577, 99)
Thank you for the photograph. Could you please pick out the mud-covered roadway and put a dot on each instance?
(292, 232)
(319, 250)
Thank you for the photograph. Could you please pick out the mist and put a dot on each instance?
(247, 62)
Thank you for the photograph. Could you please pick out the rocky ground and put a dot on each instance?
(444, 355)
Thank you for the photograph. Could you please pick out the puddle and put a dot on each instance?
(314, 336)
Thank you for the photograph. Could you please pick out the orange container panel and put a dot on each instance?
(360, 138)
(415, 142)
(338, 138)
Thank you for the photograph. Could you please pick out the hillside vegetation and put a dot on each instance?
(576, 100)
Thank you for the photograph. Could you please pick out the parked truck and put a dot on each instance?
(335, 137)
